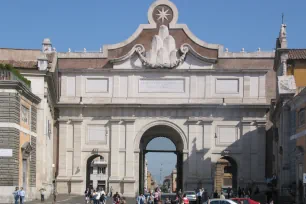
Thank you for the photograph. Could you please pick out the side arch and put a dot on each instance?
(140, 133)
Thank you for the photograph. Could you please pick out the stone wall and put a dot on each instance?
(10, 107)
(33, 163)
(33, 118)
(9, 166)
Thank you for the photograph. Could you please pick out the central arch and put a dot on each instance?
(161, 129)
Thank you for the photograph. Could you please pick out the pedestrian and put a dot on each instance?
(42, 194)
(16, 195)
(242, 193)
(185, 199)
(228, 192)
(216, 195)
(111, 192)
(93, 196)
(204, 196)
(87, 194)
(222, 196)
(116, 198)
(199, 196)
(102, 199)
(256, 190)
(141, 199)
(239, 192)
(22, 195)
(156, 196)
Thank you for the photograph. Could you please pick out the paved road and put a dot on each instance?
(73, 199)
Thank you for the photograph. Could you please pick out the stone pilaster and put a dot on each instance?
(77, 135)
(114, 179)
(62, 147)
(129, 179)
(244, 170)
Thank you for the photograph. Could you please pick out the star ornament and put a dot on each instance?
(163, 14)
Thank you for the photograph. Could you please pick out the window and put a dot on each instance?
(301, 117)
(103, 170)
(25, 114)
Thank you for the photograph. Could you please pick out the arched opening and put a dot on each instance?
(161, 134)
(226, 175)
(96, 172)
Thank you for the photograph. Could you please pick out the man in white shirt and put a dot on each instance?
(222, 196)
(22, 195)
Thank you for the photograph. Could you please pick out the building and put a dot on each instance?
(290, 68)
(18, 134)
(299, 102)
(162, 81)
(38, 67)
(174, 180)
(98, 174)
(151, 184)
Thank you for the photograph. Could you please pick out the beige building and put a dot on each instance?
(162, 81)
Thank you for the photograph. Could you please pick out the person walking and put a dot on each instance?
(111, 192)
(87, 194)
(42, 194)
(204, 196)
(199, 196)
(216, 195)
(116, 198)
(22, 195)
(16, 195)
(141, 199)
(239, 192)
(185, 199)
(222, 196)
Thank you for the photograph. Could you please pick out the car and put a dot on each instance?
(191, 195)
(245, 201)
(220, 201)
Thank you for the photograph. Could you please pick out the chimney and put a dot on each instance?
(46, 45)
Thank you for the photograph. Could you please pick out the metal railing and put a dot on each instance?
(6, 75)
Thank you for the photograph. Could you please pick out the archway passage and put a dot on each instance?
(96, 172)
(226, 175)
(165, 132)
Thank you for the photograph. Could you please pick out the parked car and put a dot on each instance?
(245, 201)
(220, 201)
(191, 195)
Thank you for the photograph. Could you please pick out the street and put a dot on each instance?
(74, 199)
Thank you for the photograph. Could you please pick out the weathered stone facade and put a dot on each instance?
(17, 141)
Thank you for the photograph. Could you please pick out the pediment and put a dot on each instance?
(162, 32)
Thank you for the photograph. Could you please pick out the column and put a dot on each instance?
(207, 144)
(77, 139)
(261, 149)
(62, 147)
(244, 170)
(129, 179)
(114, 137)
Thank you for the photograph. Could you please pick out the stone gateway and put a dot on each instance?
(162, 81)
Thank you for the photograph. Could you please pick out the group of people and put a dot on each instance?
(95, 196)
(99, 197)
(19, 195)
(155, 198)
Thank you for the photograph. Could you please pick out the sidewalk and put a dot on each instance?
(62, 198)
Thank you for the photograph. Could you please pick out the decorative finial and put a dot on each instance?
(100, 49)
(258, 50)
(283, 16)
(69, 50)
(226, 49)
(84, 49)
(242, 50)
(54, 49)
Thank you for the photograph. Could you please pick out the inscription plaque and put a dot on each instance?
(6, 152)
(161, 86)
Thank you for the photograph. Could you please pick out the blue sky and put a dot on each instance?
(89, 24)
(158, 161)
